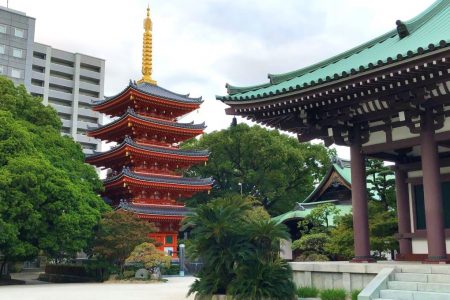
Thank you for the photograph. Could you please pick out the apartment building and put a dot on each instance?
(66, 81)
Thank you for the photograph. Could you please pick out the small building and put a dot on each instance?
(334, 188)
(388, 98)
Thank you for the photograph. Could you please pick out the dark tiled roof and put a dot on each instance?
(154, 90)
(161, 179)
(130, 112)
(156, 209)
(130, 142)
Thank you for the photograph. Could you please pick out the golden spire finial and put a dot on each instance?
(147, 54)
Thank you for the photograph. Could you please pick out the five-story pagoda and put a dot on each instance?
(145, 167)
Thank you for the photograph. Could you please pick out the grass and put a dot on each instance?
(355, 294)
(307, 292)
(333, 294)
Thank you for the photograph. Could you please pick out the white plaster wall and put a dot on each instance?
(420, 246)
(402, 133)
(416, 174)
(378, 137)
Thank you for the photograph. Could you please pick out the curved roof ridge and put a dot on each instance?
(131, 112)
(130, 142)
(231, 90)
(416, 22)
(169, 91)
(161, 179)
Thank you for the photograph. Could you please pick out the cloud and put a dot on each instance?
(200, 45)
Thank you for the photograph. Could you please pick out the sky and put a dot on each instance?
(199, 45)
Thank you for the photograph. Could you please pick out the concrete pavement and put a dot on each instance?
(175, 288)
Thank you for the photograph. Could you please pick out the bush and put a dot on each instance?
(172, 270)
(240, 255)
(355, 294)
(333, 294)
(307, 292)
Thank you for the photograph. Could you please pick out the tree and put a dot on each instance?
(381, 183)
(240, 255)
(274, 168)
(48, 196)
(147, 255)
(119, 232)
(382, 227)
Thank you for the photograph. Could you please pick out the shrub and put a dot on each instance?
(240, 255)
(355, 294)
(307, 292)
(149, 256)
(333, 294)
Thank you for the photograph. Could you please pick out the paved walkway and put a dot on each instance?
(175, 288)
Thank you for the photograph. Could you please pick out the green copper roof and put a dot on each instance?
(301, 214)
(428, 31)
(342, 167)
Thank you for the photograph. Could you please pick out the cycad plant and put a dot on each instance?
(240, 255)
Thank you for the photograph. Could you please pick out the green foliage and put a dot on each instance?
(320, 219)
(149, 256)
(312, 245)
(239, 254)
(333, 294)
(382, 228)
(354, 294)
(48, 196)
(307, 292)
(381, 182)
(274, 168)
(341, 242)
(119, 232)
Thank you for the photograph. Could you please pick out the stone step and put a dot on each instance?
(434, 287)
(411, 277)
(419, 286)
(413, 295)
(417, 277)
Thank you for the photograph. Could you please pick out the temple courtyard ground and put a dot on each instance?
(175, 288)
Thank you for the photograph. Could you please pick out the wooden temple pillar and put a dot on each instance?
(403, 214)
(359, 201)
(434, 210)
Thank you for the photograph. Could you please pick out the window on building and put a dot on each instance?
(65, 130)
(90, 67)
(64, 116)
(37, 82)
(39, 55)
(2, 28)
(62, 102)
(38, 69)
(2, 70)
(61, 75)
(87, 119)
(89, 93)
(89, 80)
(62, 62)
(16, 73)
(169, 239)
(17, 52)
(81, 131)
(2, 49)
(19, 32)
(60, 88)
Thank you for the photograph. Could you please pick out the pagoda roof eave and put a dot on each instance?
(130, 113)
(156, 210)
(184, 154)
(151, 90)
(181, 182)
(423, 35)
